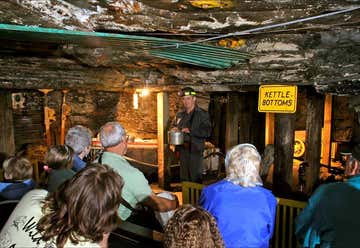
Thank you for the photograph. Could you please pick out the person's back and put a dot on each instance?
(59, 159)
(16, 190)
(136, 189)
(339, 215)
(18, 172)
(331, 217)
(244, 214)
(243, 209)
(81, 213)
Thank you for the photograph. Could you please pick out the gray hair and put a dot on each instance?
(78, 138)
(112, 134)
(242, 165)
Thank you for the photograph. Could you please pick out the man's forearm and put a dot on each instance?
(161, 204)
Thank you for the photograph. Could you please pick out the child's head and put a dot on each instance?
(192, 227)
(59, 157)
(17, 168)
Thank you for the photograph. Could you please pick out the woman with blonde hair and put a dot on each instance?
(243, 209)
(192, 227)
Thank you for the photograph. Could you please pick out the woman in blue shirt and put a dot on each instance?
(243, 209)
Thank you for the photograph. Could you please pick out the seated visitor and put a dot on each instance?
(331, 217)
(82, 213)
(79, 139)
(17, 174)
(59, 160)
(243, 209)
(192, 227)
(136, 189)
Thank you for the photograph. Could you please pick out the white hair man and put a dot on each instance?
(136, 189)
(244, 210)
(79, 139)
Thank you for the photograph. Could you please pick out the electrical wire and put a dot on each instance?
(249, 31)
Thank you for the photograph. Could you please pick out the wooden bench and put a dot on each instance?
(132, 235)
(286, 212)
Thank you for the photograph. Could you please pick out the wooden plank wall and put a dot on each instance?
(7, 142)
(28, 122)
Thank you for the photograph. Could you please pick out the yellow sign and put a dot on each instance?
(277, 98)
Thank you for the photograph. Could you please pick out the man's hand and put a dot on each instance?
(185, 130)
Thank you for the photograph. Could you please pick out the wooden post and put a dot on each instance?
(47, 118)
(232, 121)
(315, 108)
(251, 122)
(162, 120)
(269, 128)
(64, 113)
(244, 115)
(216, 114)
(7, 141)
(326, 134)
(283, 156)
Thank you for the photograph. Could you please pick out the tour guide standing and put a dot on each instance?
(194, 122)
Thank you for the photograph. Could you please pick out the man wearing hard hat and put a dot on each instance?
(195, 124)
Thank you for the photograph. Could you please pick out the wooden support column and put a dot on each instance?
(269, 128)
(47, 116)
(232, 120)
(251, 122)
(245, 117)
(216, 113)
(162, 120)
(7, 141)
(284, 150)
(64, 114)
(326, 134)
(315, 108)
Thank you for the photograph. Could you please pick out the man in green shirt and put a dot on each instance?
(136, 188)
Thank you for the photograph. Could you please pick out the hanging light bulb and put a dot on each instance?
(144, 92)
(136, 100)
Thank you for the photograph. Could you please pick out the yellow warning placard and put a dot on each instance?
(277, 98)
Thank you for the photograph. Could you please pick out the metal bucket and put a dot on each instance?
(176, 137)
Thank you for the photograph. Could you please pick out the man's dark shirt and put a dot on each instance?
(198, 121)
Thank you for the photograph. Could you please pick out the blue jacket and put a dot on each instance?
(245, 215)
(78, 163)
(15, 190)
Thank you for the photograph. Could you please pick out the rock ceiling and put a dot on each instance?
(324, 52)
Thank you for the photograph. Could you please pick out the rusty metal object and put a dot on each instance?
(232, 43)
(209, 4)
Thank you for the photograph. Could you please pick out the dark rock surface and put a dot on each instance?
(324, 53)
